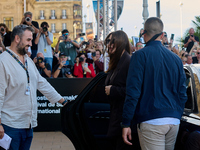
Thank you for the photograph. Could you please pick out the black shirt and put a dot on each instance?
(65, 69)
(41, 71)
(190, 45)
(194, 60)
(7, 39)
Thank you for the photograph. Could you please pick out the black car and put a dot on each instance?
(85, 120)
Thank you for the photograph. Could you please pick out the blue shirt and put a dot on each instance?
(155, 85)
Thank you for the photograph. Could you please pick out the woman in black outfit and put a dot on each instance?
(6, 34)
(118, 47)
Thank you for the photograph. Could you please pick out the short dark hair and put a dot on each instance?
(153, 26)
(64, 31)
(19, 30)
(28, 13)
(98, 51)
(44, 23)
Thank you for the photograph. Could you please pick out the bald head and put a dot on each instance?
(191, 31)
(153, 26)
(40, 55)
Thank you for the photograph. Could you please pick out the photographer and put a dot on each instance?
(190, 40)
(98, 64)
(5, 34)
(43, 68)
(83, 69)
(27, 20)
(63, 69)
(2, 47)
(68, 46)
(44, 40)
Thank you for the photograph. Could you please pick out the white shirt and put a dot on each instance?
(18, 110)
(44, 47)
(163, 121)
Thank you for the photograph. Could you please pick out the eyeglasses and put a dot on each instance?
(184, 61)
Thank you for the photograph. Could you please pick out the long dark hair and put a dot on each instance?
(121, 42)
(4, 25)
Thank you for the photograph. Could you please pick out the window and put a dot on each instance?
(63, 14)
(53, 28)
(64, 26)
(77, 11)
(53, 14)
(42, 14)
(9, 22)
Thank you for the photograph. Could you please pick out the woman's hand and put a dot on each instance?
(107, 89)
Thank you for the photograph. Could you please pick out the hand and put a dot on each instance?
(68, 39)
(107, 89)
(40, 30)
(28, 22)
(1, 40)
(35, 60)
(192, 38)
(1, 131)
(86, 69)
(23, 20)
(62, 63)
(126, 132)
(69, 75)
(41, 65)
(60, 38)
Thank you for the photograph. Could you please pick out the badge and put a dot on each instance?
(27, 92)
(45, 50)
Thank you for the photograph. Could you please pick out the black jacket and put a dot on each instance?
(117, 78)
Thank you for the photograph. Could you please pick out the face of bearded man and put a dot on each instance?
(21, 48)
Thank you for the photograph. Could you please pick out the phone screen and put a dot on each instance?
(86, 65)
(172, 36)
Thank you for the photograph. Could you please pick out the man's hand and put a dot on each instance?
(1, 131)
(126, 132)
(192, 38)
(41, 65)
(23, 20)
(40, 30)
(107, 89)
(35, 60)
(60, 38)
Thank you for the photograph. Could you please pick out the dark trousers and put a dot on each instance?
(21, 138)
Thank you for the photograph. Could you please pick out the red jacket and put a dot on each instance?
(78, 71)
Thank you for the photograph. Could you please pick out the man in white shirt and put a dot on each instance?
(44, 40)
(19, 82)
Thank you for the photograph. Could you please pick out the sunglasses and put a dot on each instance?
(184, 61)
(140, 46)
(63, 56)
(108, 41)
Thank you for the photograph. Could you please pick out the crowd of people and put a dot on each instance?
(160, 83)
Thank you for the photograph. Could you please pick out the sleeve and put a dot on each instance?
(48, 66)
(183, 89)
(35, 23)
(46, 89)
(92, 71)
(116, 92)
(75, 70)
(186, 40)
(197, 38)
(134, 84)
(99, 64)
(51, 36)
(3, 86)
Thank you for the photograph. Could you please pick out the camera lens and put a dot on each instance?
(2, 29)
(28, 19)
(44, 29)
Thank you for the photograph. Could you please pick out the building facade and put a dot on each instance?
(60, 14)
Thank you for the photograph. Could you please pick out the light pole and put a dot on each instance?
(181, 19)
(74, 30)
(88, 13)
(135, 30)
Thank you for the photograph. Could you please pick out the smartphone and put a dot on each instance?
(86, 65)
(172, 36)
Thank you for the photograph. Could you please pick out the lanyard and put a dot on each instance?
(26, 69)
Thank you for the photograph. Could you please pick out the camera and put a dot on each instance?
(93, 54)
(40, 60)
(81, 59)
(86, 43)
(81, 34)
(28, 19)
(67, 71)
(2, 30)
(44, 29)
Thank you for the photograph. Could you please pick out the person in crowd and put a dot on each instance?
(82, 69)
(43, 68)
(139, 46)
(155, 92)
(175, 49)
(99, 65)
(5, 34)
(27, 20)
(182, 53)
(68, 46)
(63, 69)
(99, 46)
(184, 60)
(55, 59)
(141, 37)
(118, 47)
(44, 40)
(196, 59)
(19, 82)
(189, 59)
(2, 45)
(190, 40)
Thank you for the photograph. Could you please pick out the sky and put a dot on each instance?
(131, 18)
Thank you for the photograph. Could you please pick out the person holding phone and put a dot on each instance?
(190, 40)
(83, 69)
(118, 47)
(63, 69)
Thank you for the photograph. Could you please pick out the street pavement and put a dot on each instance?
(51, 141)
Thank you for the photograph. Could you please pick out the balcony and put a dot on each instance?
(63, 17)
(52, 17)
(77, 17)
(41, 17)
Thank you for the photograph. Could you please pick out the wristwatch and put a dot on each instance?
(59, 68)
